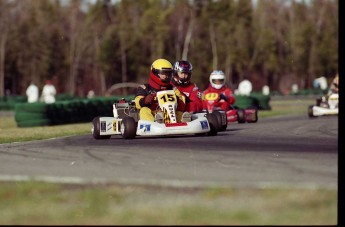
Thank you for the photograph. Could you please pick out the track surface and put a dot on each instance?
(291, 151)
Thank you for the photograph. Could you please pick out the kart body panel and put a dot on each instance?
(325, 106)
(246, 115)
(320, 111)
(112, 126)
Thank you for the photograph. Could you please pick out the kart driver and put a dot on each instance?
(334, 88)
(181, 79)
(145, 100)
(217, 85)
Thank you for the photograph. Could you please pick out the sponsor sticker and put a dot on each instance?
(109, 126)
(175, 124)
(114, 126)
(145, 127)
(211, 96)
(199, 94)
(204, 124)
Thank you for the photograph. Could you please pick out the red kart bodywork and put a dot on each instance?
(234, 114)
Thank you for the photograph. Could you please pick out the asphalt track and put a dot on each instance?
(290, 151)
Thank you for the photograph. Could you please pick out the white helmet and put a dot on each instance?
(217, 79)
(245, 87)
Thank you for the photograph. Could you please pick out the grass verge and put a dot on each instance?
(37, 203)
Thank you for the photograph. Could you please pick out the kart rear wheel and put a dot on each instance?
(213, 122)
(128, 128)
(255, 118)
(310, 111)
(241, 116)
(96, 128)
(221, 118)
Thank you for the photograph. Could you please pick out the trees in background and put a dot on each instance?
(86, 46)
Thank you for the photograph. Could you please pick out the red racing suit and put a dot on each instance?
(226, 100)
(193, 97)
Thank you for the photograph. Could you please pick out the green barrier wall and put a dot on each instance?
(65, 112)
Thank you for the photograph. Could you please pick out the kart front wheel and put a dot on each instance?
(128, 128)
(96, 128)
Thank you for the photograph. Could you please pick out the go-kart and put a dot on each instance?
(126, 122)
(324, 106)
(234, 114)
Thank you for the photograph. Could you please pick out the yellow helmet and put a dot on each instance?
(161, 66)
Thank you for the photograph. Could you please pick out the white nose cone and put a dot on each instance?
(245, 87)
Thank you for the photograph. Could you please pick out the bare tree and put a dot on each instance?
(3, 37)
(188, 36)
(214, 46)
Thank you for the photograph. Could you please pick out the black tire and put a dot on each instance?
(241, 116)
(96, 129)
(213, 122)
(128, 128)
(222, 126)
(310, 111)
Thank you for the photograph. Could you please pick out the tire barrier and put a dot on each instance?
(257, 100)
(33, 123)
(64, 97)
(31, 114)
(9, 102)
(263, 101)
(65, 112)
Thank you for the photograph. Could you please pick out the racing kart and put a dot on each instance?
(324, 106)
(127, 123)
(234, 114)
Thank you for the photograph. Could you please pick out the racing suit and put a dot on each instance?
(334, 88)
(226, 97)
(192, 95)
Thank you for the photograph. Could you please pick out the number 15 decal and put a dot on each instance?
(168, 98)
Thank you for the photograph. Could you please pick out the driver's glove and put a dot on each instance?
(149, 98)
(222, 96)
